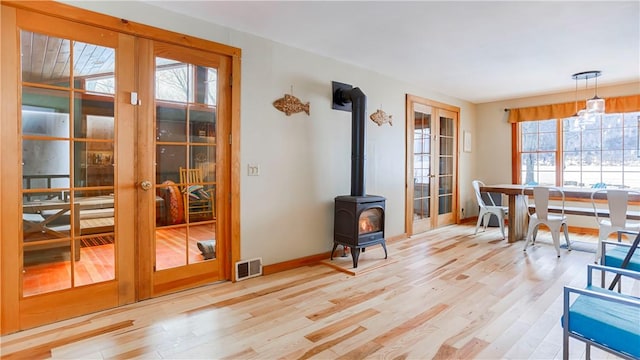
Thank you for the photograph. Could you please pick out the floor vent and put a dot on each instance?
(248, 268)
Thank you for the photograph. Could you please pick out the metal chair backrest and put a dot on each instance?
(541, 195)
(476, 187)
(617, 202)
(541, 201)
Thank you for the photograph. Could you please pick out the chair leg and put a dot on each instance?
(501, 221)
(485, 221)
(602, 235)
(566, 236)
(534, 235)
(480, 216)
(555, 235)
(565, 343)
(532, 228)
(588, 352)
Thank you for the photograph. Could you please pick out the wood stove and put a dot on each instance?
(358, 223)
(358, 218)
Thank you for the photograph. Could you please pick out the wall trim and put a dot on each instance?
(312, 259)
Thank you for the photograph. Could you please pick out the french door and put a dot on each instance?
(432, 139)
(111, 168)
(67, 170)
(185, 168)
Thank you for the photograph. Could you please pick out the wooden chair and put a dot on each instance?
(199, 202)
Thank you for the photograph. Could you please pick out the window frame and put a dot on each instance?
(561, 123)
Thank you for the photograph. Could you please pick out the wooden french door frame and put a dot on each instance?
(432, 222)
(30, 311)
(154, 282)
(16, 315)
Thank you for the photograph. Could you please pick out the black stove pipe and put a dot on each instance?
(358, 125)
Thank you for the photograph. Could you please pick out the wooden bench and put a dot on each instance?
(585, 211)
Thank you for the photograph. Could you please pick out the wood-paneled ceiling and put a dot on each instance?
(47, 59)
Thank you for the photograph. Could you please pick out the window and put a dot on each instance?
(538, 152)
(600, 152)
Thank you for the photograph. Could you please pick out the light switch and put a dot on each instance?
(253, 170)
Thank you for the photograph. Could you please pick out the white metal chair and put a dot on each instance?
(541, 216)
(618, 204)
(486, 210)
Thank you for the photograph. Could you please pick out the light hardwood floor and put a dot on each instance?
(444, 295)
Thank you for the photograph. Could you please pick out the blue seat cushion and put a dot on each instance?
(614, 325)
(616, 254)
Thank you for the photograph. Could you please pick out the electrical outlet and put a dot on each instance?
(253, 170)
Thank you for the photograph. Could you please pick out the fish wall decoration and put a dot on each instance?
(380, 117)
(290, 104)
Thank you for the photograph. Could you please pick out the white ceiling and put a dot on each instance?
(478, 51)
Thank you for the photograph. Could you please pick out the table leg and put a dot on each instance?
(518, 219)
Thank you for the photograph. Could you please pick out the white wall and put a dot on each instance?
(287, 211)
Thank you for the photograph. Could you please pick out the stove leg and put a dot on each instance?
(355, 253)
(384, 246)
(335, 246)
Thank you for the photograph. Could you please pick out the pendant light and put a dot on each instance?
(595, 105)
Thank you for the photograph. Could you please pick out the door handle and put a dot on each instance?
(145, 185)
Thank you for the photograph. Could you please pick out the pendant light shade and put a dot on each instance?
(595, 105)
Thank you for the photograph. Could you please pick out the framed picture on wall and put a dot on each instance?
(466, 141)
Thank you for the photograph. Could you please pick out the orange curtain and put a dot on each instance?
(559, 111)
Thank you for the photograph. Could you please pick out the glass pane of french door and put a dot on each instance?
(67, 137)
(422, 165)
(185, 174)
(446, 155)
(422, 169)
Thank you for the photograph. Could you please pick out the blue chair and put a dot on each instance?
(620, 255)
(601, 317)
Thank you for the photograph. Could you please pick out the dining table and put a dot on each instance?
(518, 209)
